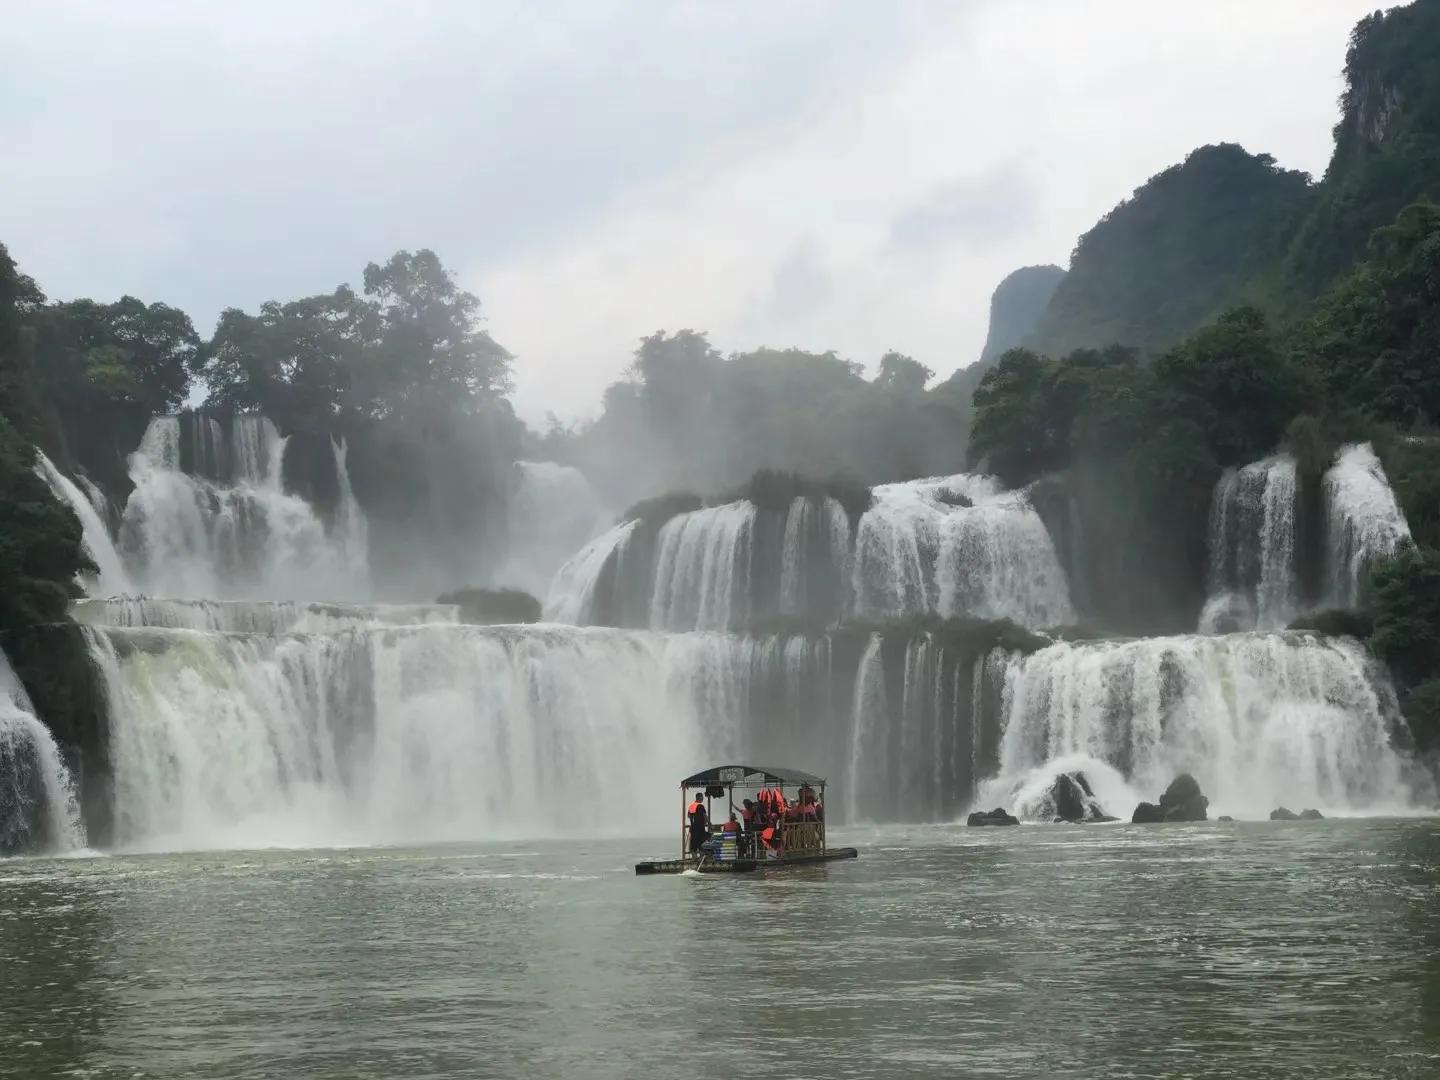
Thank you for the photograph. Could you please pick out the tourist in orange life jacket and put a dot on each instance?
(732, 826)
(770, 836)
(699, 824)
(748, 815)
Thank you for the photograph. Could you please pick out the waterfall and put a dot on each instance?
(957, 546)
(1261, 719)
(112, 578)
(553, 512)
(1252, 548)
(1364, 524)
(187, 535)
(702, 569)
(1253, 583)
(254, 616)
(395, 734)
(38, 807)
(868, 744)
(573, 591)
(815, 559)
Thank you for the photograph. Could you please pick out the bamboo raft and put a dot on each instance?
(801, 840)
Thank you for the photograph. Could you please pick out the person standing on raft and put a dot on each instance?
(699, 824)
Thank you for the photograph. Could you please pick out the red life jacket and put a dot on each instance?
(730, 827)
(695, 807)
(768, 836)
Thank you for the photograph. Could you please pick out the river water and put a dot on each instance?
(1250, 950)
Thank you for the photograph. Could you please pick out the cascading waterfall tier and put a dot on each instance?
(38, 807)
(956, 546)
(1255, 523)
(112, 578)
(576, 588)
(702, 569)
(948, 546)
(1260, 719)
(190, 535)
(433, 732)
(436, 731)
(1252, 548)
(254, 616)
(1364, 524)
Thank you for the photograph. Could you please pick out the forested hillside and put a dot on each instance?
(1228, 227)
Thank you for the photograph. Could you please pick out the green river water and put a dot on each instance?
(1252, 951)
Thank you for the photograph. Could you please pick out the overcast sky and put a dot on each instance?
(818, 173)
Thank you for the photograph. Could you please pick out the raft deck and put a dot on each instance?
(743, 866)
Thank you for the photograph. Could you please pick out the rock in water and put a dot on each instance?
(1071, 796)
(1311, 815)
(1072, 799)
(1282, 813)
(1224, 817)
(998, 816)
(1147, 813)
(1183, 801)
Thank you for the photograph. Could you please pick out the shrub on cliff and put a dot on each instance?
(40, 540)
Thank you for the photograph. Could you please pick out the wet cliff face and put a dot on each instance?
(53, 664)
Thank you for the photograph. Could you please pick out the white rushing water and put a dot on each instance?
(571, 597)
(553, 513)
(1252, 548)
(1364, 524)
(1261, 720)
(1253, 580)
(194, 537)
(807, 583)
(702, 569)
(254, 616)
(36, 790)
(428, 732)
(919, 551)
(113, 577)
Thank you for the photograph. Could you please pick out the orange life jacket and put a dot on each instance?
(730, 827)
(695, 807)
(768, 835)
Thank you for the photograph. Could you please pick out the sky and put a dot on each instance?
(854, 175)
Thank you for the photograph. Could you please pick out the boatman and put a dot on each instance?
(699, 823)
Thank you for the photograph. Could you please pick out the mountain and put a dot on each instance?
(1017, 305)
(1227, 227)
(1186, 245)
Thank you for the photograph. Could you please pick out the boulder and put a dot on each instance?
(1224, 817)
(1282, 813)
(1147, 813)
(1183, 801)
(998, 816)
(1071, 797)
(1311, 815)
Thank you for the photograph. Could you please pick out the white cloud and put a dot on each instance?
(597, 171)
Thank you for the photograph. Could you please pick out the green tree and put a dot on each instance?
(431, 356)
(127, 355)
(40, 540)
(295, 362)
(1015, 430)
(902, 373)
(1407, 635)
(1233, 379)
(1374, 338)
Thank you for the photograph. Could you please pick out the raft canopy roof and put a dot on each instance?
(750, 774)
